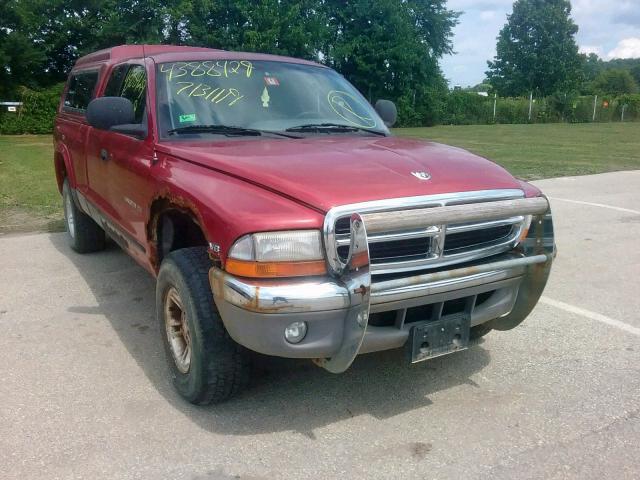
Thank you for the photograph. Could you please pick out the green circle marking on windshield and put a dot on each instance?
(350, 108)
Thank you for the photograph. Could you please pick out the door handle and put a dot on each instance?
(104, 155)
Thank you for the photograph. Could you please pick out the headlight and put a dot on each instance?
(291, 253)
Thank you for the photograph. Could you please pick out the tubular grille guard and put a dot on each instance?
(473, 212)
(433, 218)
(356, 276)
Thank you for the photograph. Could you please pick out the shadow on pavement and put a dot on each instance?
(284, 394)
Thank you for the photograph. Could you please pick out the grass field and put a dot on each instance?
(545, 150)
(29, 199)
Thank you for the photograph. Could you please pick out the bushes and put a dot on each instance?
(631, 104)
(421, 108)
(469, 108)
(37, 113)
(463, 108)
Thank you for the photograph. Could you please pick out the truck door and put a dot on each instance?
(71, 125)
(118, 165)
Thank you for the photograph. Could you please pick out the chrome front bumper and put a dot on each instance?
(337, 308)
(256, 312)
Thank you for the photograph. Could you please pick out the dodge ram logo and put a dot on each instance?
(421, 175)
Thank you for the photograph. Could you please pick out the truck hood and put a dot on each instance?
(324, 172)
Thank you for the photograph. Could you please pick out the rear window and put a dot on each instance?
(82, 86)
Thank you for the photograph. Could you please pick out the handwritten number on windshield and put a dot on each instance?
(209, 68)
(213, 95)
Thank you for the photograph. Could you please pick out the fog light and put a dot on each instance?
(295, 332)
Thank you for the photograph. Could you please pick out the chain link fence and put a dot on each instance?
(468, 108)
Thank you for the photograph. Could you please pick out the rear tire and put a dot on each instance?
(206, 364)
(85, 235)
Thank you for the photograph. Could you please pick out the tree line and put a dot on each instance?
(386, 48)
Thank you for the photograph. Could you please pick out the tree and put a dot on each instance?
(536, 50)
(296, 28)
(594, 66)
(615, 82)
(19, 57)
(635, 71)
(390, 49)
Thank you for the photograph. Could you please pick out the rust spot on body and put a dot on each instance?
(166, 201)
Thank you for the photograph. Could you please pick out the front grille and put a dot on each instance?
(343, 226)
(395, 251)
(474, 238)
(434, 247)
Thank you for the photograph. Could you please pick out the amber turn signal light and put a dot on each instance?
(525, 229)
(243, 268)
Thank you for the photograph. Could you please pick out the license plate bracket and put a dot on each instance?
(433, 339)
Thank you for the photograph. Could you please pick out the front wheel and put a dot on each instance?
(206, 364)
(479, 331)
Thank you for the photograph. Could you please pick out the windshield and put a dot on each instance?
(259, 95)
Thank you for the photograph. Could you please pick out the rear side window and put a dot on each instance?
(81, 89)
(129, 81)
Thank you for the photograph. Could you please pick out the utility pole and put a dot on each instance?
(595, 104)
(530, 104)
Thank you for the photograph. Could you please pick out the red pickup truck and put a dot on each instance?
(280, 215)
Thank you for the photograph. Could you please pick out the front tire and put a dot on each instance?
(206, 364)
(479, 331)
(85, 235)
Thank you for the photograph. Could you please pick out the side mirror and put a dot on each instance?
(387, 111)
(107, 112)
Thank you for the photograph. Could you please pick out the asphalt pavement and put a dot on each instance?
(85, 391)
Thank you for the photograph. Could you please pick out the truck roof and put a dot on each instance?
(175, 53)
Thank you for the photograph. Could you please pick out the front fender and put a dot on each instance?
(227, 207)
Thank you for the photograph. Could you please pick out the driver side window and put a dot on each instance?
(130, 82)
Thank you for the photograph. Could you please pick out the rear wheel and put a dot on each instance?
(85, 235)
(206, 364)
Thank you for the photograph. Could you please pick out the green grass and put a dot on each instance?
(29, 198)
(545, 150)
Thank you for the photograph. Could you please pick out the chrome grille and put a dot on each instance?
(394, 251)
(424, 248)
(475, 238)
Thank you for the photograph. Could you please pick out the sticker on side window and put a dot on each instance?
(190, 117)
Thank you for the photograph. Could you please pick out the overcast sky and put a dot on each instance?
(610, 28)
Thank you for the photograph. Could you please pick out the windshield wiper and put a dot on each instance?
(225, 130)
(332, 127)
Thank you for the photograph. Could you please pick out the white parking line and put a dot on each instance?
(580, 202)
(591, 315)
